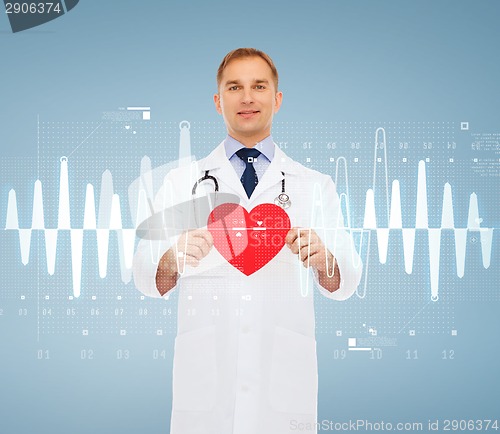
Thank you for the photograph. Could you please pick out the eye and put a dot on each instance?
(233, 88)
(260, 87)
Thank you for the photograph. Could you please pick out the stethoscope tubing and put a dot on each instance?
(282, 200)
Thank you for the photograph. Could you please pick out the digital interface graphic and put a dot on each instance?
(414, 154)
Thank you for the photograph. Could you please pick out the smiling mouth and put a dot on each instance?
(248, 113)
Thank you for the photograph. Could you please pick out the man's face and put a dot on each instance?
(247, 99)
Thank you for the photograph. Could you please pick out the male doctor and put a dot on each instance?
(245, 353)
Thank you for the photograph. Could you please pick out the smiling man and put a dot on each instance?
(248, 96)
(245, 353)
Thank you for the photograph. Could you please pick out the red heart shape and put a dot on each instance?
(248, 240)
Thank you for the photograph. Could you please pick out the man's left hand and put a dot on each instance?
(313, 253)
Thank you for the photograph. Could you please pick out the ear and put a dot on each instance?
(278, 99)
(217, 103)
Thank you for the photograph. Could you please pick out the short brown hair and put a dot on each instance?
(241, 53)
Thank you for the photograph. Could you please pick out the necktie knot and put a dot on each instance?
(248, 154)
(249, 177)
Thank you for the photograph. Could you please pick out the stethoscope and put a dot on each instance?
(282, 200)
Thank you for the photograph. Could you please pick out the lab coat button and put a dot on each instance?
(245, 329)
(244, 388)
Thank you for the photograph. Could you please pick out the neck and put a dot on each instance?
(251, 141)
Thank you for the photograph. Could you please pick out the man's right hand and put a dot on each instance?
(190, 249)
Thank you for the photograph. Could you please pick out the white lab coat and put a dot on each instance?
(245, 352)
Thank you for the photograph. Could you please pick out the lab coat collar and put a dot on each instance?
(218, 162)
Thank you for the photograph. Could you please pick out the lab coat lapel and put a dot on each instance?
(220, 167)
(273, 175)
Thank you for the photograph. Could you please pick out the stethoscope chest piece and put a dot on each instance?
(283, 200)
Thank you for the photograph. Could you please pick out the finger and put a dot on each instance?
(209, 239)
(195, 244)
(199, 247)
(305, 262)
(291, 236)
(323, 262)
(308, 236)
(195, 251)
(294, 247)
(301, 241)
(308, 250)
(186, 245)
(205, 247)
(204, 240)
(205, 235)
(191, 260)
(208, 242)
(186, 259)
(181, 266)
(182, 241)
(316, 260)
(292, 240)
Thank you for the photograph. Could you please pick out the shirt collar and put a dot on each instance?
(266, 147)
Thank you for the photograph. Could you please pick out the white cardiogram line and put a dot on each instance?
(109, 218)
(328, 232)
(421, 223)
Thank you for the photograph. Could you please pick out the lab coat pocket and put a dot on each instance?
(194, 370)
(293, 384)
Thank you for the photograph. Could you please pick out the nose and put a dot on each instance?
(246, 97)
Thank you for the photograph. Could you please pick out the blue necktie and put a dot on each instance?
(249, 177)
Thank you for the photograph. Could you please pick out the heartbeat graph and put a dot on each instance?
(393, 214)
(109, 218)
